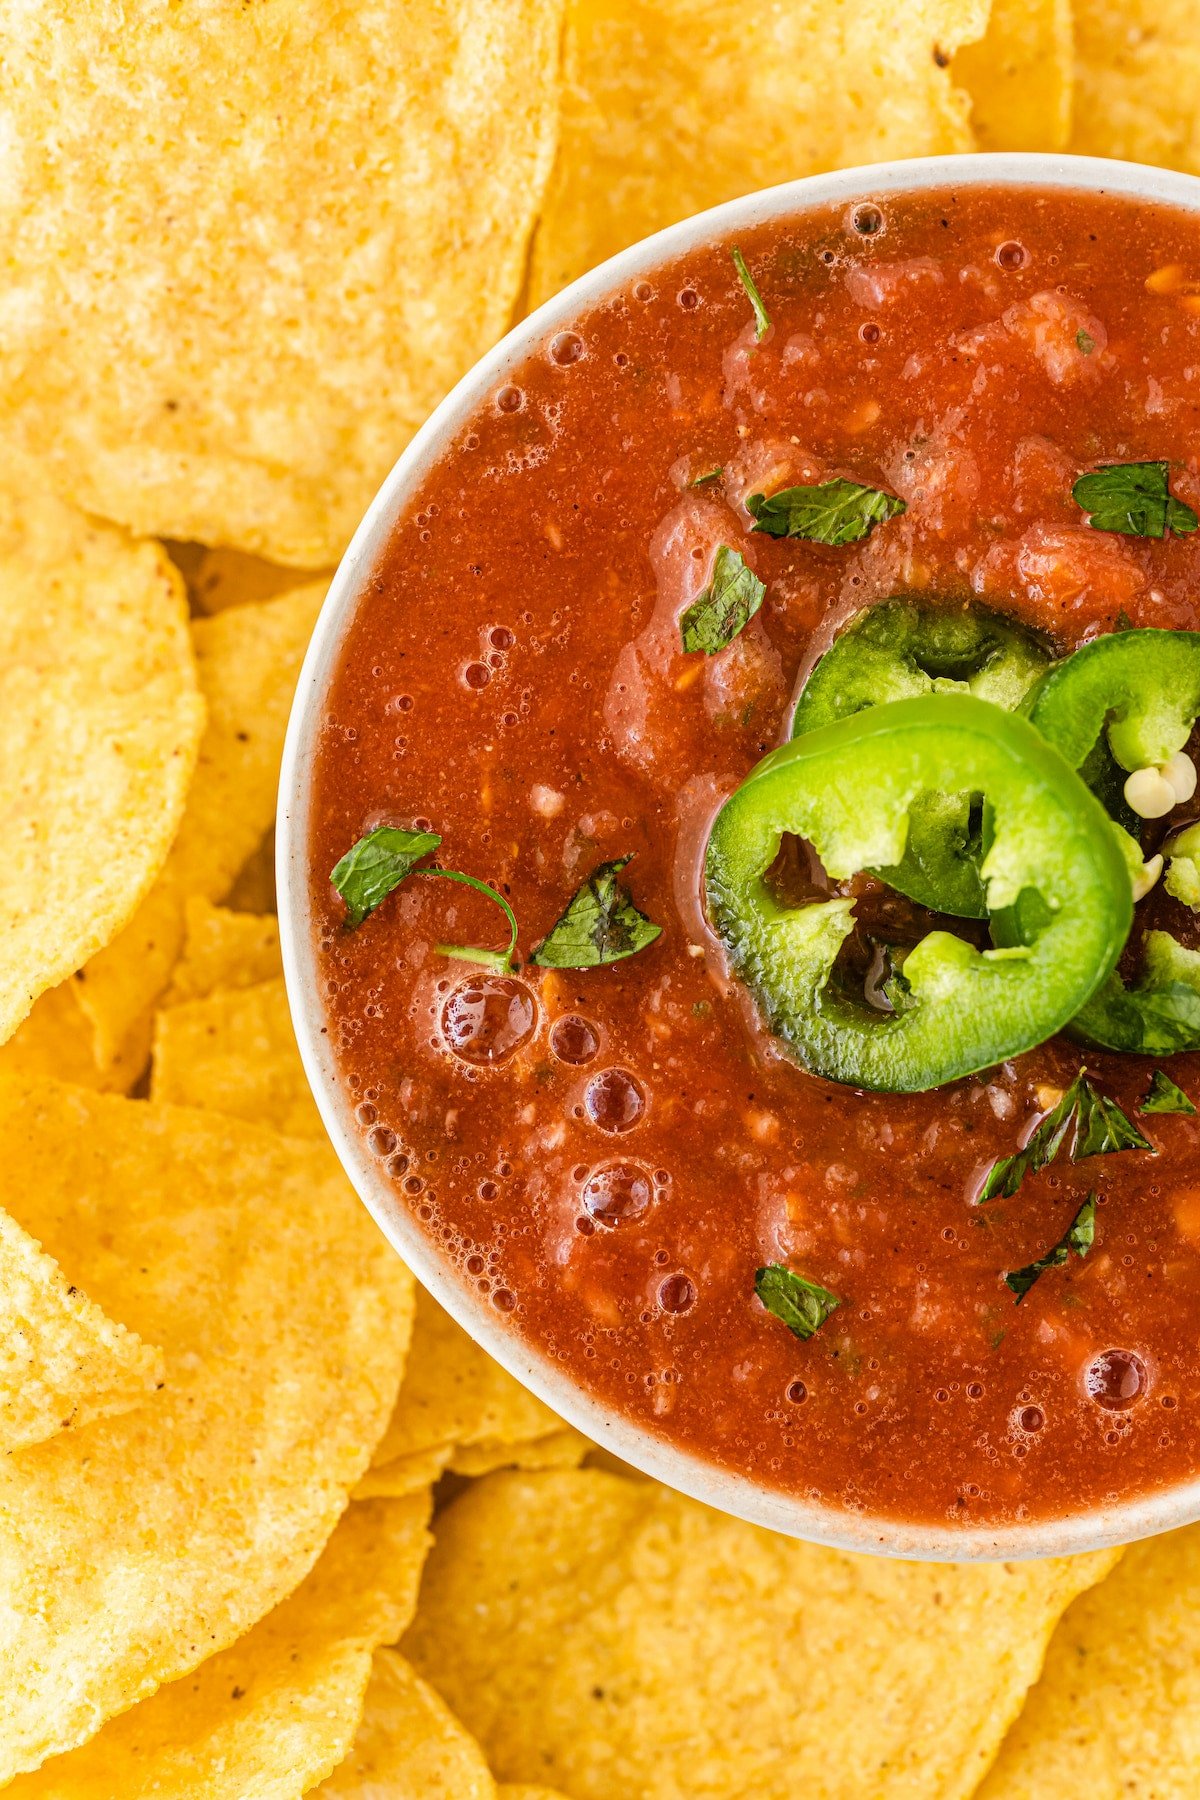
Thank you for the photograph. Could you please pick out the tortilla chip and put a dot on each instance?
(1115, 1711)
(409, 1745)
(248, 660)
(671, 106)
(220, 578)
(521, 1790)
(562, 1449)
(253, 887)
(1137, 89)
(223, 949)
(235, 1053)
(1020, 76)
(404, 1475)
(279, 1709)
(63, 1362)
(133, 1548)
(100, 719)
(55, 1044)
(250, 247)
(455, 1395)
(613, 1637)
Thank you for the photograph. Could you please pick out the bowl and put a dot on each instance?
(732, 1493)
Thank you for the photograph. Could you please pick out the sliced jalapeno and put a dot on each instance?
(850, 789)
(898, 650)
(1128, 702)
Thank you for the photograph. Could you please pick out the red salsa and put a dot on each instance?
(612, 1155)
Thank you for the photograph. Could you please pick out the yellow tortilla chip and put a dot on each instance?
(1114, 1714)
(1020, 76)
(409, 1745)
(455, 1395)
(563, 1449)
(63, 1361)
(100, 719)
(235, 1052)
(522, 1790)
(248, 661)
(55, 1043)
(253, 887)
(223, 949)
(220, 578)
(279, 1709)
(250, 247)
(613, 1637)
(671, 106)
(133, 1548)
(404, 1474)
(1137, 91)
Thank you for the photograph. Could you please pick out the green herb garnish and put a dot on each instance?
(601, 925)
(375, 865)
(709, 475)
(1079, 1237)
(500, 962)
(381, 860)
(1133, 498)
(1100, 1129)
(837, 512)
(1085, 341)
(1164, 1097)
(725, 607)
(762, 319)
(803, 1305)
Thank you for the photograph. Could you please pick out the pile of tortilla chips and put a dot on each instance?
(246, 250)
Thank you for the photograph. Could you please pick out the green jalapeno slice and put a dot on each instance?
(1127, 703)
(850, 789)
(898, 650)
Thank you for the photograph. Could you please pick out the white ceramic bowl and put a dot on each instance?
(731, 1493)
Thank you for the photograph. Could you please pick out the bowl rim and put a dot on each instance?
(736, 1494)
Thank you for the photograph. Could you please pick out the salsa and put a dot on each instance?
(586, 632)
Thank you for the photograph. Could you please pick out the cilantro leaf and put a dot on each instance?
(708, 476)
(1085, 341)
(1101, 1127)
(1134, 498)
(762, 319)
(837, 512)
(1042, 1146)
(803, 1305)
(500, 962)
(601, 925)
(1164, 1097)
(375, 865)
(1079, 1237)
(725, 607)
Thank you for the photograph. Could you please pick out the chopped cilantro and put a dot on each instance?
(803, 1305)
(762, 319)
(381, 860)
(375, 865)
(725, 607)
(1133, 498)
(1164, 1097)
(837, 512)
(1086, 342)
(1100, 1129)
(601, 925)
(1079, 1237)
(709, 475)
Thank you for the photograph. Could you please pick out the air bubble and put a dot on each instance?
(488, 1018)
(614, 1100)
(617, 1192)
